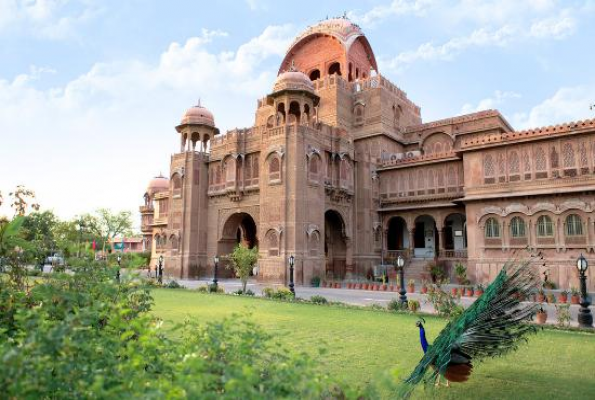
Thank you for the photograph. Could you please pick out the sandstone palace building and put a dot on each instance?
(340, 170)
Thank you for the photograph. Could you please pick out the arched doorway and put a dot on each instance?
(455, 232)
(425, 237)
(239, 228)
(335, 246)
(397, 236)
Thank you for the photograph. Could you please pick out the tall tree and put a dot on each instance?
(108, 224)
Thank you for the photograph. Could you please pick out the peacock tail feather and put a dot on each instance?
(492, 326)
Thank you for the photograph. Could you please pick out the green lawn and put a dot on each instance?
(362, 344)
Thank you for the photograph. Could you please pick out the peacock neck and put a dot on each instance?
(422, 338)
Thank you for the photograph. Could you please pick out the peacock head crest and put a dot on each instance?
(419, 322)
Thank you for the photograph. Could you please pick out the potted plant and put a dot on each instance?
(540, 296)
(411, 286)
(424, 287)
(469, 291)
(454, 291)
(563, 296)
(541, 316)
(365, 286)
(550, 298)
(461, 273)
(461, 291)
(413, 305)
(315, 281)
(575, 296)
(479, 290)
(337, 285)
(383, 287)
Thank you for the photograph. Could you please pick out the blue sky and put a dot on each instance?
(90, 91)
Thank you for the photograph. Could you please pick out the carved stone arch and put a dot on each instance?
(179, 171)
(495, 210)
(273, 241)
(278, 152)
(541, 207)
(429, 141)
(345, 228)
(574, 205)
(312, 151)
(516, 208)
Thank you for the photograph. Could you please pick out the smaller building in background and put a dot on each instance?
(129, 245)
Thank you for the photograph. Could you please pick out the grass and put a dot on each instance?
(362, 345)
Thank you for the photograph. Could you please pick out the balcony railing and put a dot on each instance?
(462, 253)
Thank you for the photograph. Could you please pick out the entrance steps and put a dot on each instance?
(416, 269)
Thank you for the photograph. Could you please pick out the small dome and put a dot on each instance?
(198, 115)
(157, 185)
(293, 80)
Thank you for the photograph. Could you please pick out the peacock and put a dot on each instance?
(492, 326)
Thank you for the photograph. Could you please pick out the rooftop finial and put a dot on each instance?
(198, 105)
(344, 14)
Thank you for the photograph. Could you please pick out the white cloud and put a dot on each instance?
(447, 51)
(567, 104)
(395, 8)
(97, 140)
(51, 19)
(555, 27)
(256, 5)
(490, 103)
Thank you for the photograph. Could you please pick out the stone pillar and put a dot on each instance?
(505, 236)
(411, 242)
(561, 238)
(348, 258)
(589, 233)
(441, 248)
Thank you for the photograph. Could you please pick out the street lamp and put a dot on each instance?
(160, 269)
(291, 262)
(216, 261)
(585, 318)
(402, 292)
(118, 271)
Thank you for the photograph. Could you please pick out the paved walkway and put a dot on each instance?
(363, 297)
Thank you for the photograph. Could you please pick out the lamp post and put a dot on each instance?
(585, 318)
(160, 269)
(402, 292)
(216, 262)
(118, 271)
(291, 262)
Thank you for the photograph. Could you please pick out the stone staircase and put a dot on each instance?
(416, 267)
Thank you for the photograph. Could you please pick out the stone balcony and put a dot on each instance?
(147, 209)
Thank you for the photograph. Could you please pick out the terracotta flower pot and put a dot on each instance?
(541, 317)
(454, 291)
(563, 298)
(337, 285)
(540, 298)
(383, 288)
(469, 292)
(411, 289)
(461, 291)
(575, 299)
(424, 289)
(479, 293)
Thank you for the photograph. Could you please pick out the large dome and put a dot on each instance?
(198, 115)
(157, 185)
(333, 40)
(293, 80)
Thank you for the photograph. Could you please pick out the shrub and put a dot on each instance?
(173, 285)
(318, 299)
(563, 313)
(216, 288)
(240, 292)
(394, 305)
(95, 338)
(283, 293)
(268, 292)
(413, 305)
(444, 303)
(203, 289)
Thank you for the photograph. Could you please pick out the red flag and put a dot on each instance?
(94, 245)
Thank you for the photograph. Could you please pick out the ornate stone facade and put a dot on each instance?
(340, 171)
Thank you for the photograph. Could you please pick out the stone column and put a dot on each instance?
(348, 258)
(505, 236)
(411, 242)
(561, 238)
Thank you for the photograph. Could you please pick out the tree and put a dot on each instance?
(38, 229)
(242, 261)
(22, 199)
(11, 236)
(108, 224)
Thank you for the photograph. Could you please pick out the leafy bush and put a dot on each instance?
(444, 303)
(283, 293)
(394, 305)
(318, 299)
(563, 313)
(240, 292)
(413, 305)
(268, 292)
(203, 289)
(173, 285)
(81, 335)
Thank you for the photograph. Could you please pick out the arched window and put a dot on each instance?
(545, 226)
(315, 75)
(314, 168)
(514, 163)
(334, 68)
(174, 242)
(568, 153)
(274, 169)
(273, 243)
(517, 227)
(488, 166)
(574, 225)
(492, 229)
